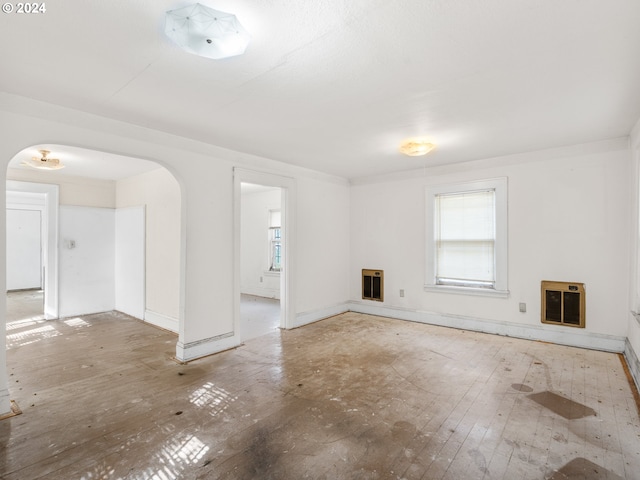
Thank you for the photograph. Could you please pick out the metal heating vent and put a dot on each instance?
(563, 303)
(373, 285)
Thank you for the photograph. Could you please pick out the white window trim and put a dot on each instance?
(501, 257)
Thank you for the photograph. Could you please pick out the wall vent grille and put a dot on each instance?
(373, 285)
(563, 303)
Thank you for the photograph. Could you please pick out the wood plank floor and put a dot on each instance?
(350, 397)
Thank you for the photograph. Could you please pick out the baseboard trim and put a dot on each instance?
(633, 363)
(162, 321)
(5, 402)
(559, 335)
(186, 352)
(312, 316)
(262, 292)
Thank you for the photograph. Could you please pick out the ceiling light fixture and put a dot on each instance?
(414, 147)
(206, 32)
(44, 162)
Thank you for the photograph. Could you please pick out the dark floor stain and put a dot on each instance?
(583, 469)
(521, 387)
(260, 452)
(558, 437)
(562, 406)
(403, 432)
(479, 460)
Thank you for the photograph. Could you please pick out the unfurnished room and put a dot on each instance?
(320, 240)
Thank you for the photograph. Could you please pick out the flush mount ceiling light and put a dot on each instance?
(206, 32)
(414, 147)
(44, 162)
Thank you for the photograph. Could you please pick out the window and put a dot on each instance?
(467, 238)
(275, 241)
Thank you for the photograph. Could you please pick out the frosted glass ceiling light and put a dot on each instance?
(414, 147)
(43, 162)
(206, 32)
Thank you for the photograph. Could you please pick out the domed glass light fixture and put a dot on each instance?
(415, 147)
(206, 32)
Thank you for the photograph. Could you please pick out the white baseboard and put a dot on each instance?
(5, 402)
(262, 292)
(208, 346)
(306, 318)
(162, 321)
(560, 335)
(631, 356)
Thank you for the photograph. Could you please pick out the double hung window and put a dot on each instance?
(467, 238)
(275, 241)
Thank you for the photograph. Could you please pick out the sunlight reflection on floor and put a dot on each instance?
(212, 397)
(174, 456)
(25, 337)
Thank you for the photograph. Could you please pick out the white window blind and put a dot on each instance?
(465, 238)
(274, 219)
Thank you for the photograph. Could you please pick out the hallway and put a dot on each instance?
(350, 397)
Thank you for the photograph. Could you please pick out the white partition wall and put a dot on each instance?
(130, 261)
(87, 257)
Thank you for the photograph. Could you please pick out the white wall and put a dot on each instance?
(323, 233)
(130, 261)
(254, 249)
(568, 221)
(159, 192)
(87, 275)
(632, 351)
(88, 192)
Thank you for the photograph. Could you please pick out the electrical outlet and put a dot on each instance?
(402, 292)
(260, 279)
(523, 307)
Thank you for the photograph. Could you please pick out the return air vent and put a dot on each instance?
(373, 285)
(563, 303)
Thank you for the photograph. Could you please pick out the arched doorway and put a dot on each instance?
(114, 211)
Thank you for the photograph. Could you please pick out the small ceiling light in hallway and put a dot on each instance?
(415, 147)
(44, 162)
(206, 32)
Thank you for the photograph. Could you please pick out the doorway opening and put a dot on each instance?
(25, 260)
(32, 257)
(261, 250)
(263, 246)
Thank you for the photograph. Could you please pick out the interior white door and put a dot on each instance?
(130, 261)
(24, 249)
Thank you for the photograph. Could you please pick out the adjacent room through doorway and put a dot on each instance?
(261, 260)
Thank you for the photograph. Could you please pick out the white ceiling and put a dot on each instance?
(335, 85)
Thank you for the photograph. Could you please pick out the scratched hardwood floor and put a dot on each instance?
(350, 397)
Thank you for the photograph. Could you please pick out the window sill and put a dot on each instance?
(271, 273)
(481, 292)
